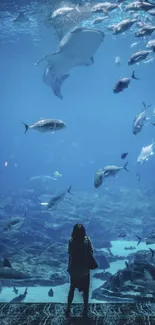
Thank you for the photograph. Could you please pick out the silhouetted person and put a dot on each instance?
(79, 246)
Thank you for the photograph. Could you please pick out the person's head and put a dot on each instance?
(79, 231)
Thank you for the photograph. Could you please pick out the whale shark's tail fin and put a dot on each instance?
(57, 83)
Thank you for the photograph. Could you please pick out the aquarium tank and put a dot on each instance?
(77, 130)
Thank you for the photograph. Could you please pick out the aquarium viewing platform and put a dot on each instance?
(99, 314)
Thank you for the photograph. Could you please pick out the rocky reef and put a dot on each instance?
(38, 244)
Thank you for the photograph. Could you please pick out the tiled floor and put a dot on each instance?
(99, 314)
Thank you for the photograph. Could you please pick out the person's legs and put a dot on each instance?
(85, 298)
(70, 298)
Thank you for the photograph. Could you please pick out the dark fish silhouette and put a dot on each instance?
(124, 155)
(20, 298)
(139, 240)
(152, 252)
(123, 83)
(50, 293)
(8, 272)
(57, 199)
(138, 176)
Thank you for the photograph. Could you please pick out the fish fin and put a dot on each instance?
(133, 76)
(6, 263)
(139, 240)
(69, 190)
(25, 293)
(153, 49)
(26, 127)
(146, 106)
(152, 252)
(125, 165)
(147, 275)
(120, 7)
(127, 265)
(57, 83)
(42, 59)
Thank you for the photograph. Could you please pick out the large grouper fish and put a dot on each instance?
(76, 48)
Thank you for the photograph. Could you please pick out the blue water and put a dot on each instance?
(99, 122)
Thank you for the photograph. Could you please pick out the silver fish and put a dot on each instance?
(140, 120)
(151, 44)
(98, 179)
(139, 6)
(46, 126)
(105, 7)
(112, 170)
(57, 199)
(145, 30)
(13, 223)
(123, 83)
(139, 56)
(123, 26)
(146, 153)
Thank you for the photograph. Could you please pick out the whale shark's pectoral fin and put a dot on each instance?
(45, 57)
(6, 263)
(57, 83)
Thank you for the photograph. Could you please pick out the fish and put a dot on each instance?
(117, 60)
(13, 223)
(53, 82)
(104, 7)
(151, 44)
(46, 126)
(62, 11)
(148, 284)
(50, 293)
(112, 170)
(20, 298)
(99, 20)
(63, 21)
(152, 252)
(98, 179)
(139, 6)
(15, 290)
(76, 48)
(149, 239)
(124, 155)
(139, 56)
(8, 272)
(151, 12)
(123, 26)
(133, 44)
(140, 120)
(57, 199)
(146, 153)
(145, 30)
(123, 83)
